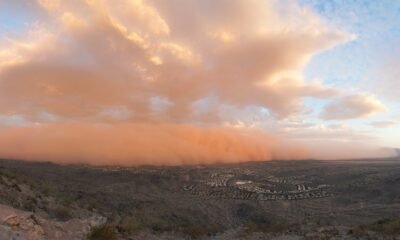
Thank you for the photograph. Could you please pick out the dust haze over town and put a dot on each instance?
(228, 119)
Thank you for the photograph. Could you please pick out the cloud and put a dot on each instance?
(384, 124)
(336, 132)
(137, 82)
(93, 55)
(334, 150)
(352, 106)
(386, 74)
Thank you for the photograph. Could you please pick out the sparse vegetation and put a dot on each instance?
(104, 232)
(67, 200)
(385, 227)
(199, 231)
(61, 213)
(153, 200)
(129, 224)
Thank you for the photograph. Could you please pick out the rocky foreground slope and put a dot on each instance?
(21, 225)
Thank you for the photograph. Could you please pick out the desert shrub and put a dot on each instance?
(251, 227)
(103, 232)
(255, 220)
(88, 203)
(386, 226)
(16, 187)
(129, 224)
(277, 228)
(195, 231)
(67, 200)
(9, 174)
(29, 204)
(61, 213)
(156, 223)
(198, 231)
(45, 189)
(358, 231)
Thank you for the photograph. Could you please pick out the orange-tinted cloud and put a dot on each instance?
(384, 124)
(116, 64)
(353, 106)
(334, 150)
(93, 55)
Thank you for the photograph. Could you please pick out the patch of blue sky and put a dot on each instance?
(314, 106)
(15, 17)
(377, 27)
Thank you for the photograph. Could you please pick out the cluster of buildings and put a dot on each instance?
(302, 188)
(232, 193)
(298, 196)
(256, 189)
(219, 180)
(276, 180)
(224, 185)
(302, 192)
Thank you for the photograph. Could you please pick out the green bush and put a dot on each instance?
(129, 224)
(104, 232)
(29, 204)
(67, 200)
(385, 226)
(196, 231)
(61, 213)
(254, 220)
(357, 231)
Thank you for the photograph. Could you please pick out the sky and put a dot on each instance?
(171, 82)
(370, 63)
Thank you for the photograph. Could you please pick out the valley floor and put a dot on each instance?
(357, 199)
